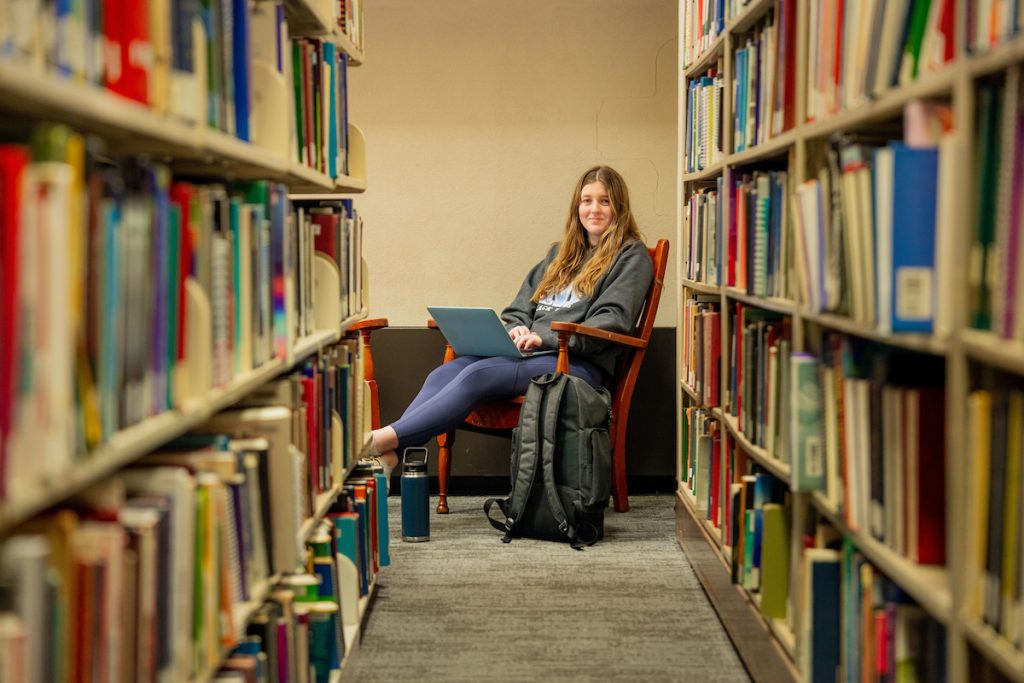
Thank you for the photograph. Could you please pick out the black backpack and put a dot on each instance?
(561, 464)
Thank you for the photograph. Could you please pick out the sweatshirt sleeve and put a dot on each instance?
(522, 309)
(619, 299)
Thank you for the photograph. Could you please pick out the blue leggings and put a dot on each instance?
(452, 390)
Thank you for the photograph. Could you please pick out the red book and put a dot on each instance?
(13, 161)
(181, 196)
(789, 92)
(128, 54)
(837, 73)
(947, 29)
(929, 416)
(713, 357)
(325, 234)
(371, 506)
(309, 398)
(734, 204)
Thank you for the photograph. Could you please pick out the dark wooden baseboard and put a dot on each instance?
(757, 648)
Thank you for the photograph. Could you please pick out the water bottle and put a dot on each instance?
(415, 496)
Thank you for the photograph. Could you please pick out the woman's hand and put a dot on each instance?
(524, 339)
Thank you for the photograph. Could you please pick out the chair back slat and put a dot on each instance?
(633, 357)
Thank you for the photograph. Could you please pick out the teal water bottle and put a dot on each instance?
(415, 496)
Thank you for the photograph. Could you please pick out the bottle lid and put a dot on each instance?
(414, 460)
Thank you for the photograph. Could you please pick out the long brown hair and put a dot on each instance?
(578, 263)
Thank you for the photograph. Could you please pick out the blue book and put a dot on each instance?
(824, 616)
(915, 182)
(324, 567)
(241, 63)
(739, 113)
(349, 543)
(332, 116)
(383, 536)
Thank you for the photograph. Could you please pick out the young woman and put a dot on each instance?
(598, 275)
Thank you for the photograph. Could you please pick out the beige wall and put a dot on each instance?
(480, 115)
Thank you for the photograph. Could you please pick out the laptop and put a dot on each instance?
(476, 332)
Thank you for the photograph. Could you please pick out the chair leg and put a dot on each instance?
(444, 469)
(619, 472)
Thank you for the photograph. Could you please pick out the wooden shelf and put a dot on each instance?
(324, 501)
(241, 614)
(132, 443)
(990, 349)
(353, 631)
(766, 658)
(309, 17)
(890, 104)
(772, 147)
(996, 649)
(781, 470)
(713, 534)
(701, 287)
(355, 55)
(783, 306)
(51, 98)
(779, 628)
(131, 127)
(689, 390)
(930, 586)
(709, 173)
(913, 342)
(997, 59)
(707, 58)
(749, 16)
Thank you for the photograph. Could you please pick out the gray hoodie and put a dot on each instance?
(615, 306)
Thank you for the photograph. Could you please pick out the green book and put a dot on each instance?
(915, 38)
(987, 150)
(774, 561)
(684, 453)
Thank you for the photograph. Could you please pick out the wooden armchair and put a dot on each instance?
(364, 328)
(501, 417)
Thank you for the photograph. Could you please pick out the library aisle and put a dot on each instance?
(466, 607)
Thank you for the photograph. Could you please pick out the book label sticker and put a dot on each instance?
(914, 293)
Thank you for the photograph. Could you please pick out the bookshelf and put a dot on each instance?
(156, 511)
(973, 363)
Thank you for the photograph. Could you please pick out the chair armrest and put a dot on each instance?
(588, 331)
(370, 324)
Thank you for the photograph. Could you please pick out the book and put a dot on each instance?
(819, 658)
(807, 455)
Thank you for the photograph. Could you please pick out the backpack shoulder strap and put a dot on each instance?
(529, 456)
(551, 408)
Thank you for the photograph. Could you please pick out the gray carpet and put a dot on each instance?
(466, 607)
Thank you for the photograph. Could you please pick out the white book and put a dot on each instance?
(179, 486)
(24, 560)
(42, 438)
(274, 425)
(883, 181)
(867, 241)
(946, 236)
